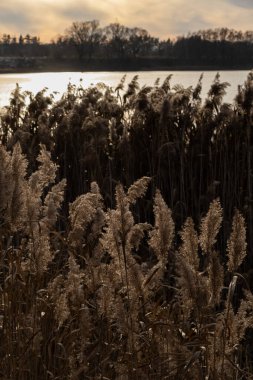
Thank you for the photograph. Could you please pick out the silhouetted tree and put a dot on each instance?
(85, 36)
(21, 40)
(117, 37)
(141, 43)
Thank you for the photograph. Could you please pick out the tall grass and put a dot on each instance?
(137, 266)
(194, 150)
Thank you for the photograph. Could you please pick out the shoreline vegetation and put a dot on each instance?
(127, 233)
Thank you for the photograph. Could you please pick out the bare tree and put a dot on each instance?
(85, 35)
(117, 37)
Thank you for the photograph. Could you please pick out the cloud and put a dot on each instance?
(45, 17)
(12, 17)
(242, 3)
(162, 18)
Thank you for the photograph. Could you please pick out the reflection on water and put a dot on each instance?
(57, 82)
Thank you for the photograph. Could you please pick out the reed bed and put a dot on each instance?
(126, 234)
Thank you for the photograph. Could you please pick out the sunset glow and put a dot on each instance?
(162, 18)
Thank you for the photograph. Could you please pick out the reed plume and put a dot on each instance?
(189, 246)
(236, 245)
(161, 237)
(210, 226)
(13, 187)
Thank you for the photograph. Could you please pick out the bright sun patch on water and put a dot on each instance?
(57, 82)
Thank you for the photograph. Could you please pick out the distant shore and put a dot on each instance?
(148, 65)
(89, 69)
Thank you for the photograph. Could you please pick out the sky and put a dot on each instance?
(161, 18)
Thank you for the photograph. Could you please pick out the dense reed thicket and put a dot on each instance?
(126, 227)
(194, 151)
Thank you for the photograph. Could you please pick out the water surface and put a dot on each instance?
(57, 82)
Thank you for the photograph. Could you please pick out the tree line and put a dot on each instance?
(87, 41)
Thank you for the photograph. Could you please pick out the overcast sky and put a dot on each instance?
(162, 18)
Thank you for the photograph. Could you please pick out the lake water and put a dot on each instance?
(58, 81)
